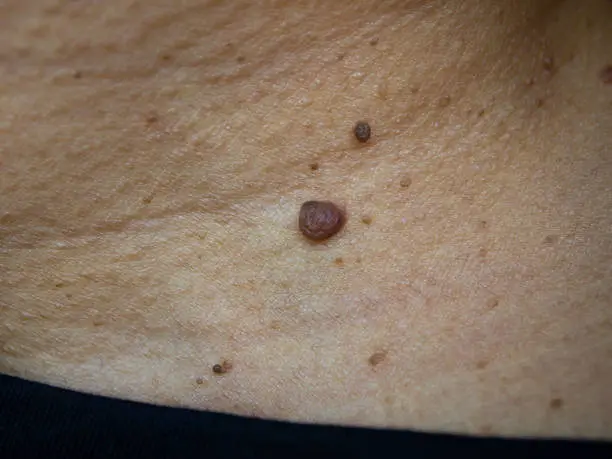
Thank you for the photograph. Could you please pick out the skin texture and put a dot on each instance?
(154, 154)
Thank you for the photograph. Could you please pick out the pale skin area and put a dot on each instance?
(154, 157)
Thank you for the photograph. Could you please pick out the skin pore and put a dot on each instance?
(155, 156)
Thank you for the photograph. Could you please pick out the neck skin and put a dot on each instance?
(149, 242)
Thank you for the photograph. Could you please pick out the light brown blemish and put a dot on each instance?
(548, 64)
(199, 381)
(486, 429)
(481, 113)
(405, 182)
(339, 261)
(482, 253)
(606, 74)
(275, 325)
(151, 119)
(377, 358)
(482, 364)
(444, 101)
(373, 41)
(483, 224)
(551, 239)
(366, 220)
(240, 59)
(492, 303)
(556, 403)
(77, 75)
(314, 166)
(147, 200)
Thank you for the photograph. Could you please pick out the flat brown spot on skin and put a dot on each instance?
(482, 253)
(200, 381)
(606, 74)
(362, 131)
(320, 220)
(539, 102)
(444, 101)
(530, 82)
(373, 41)
(340, 56)
(483, 224)
(405, 182)
(339, 261)
(314, 166)
(389, 400)
(147, 200)
(548, 64)
(240, 59)
(551, 239)
(482, 364)
(165, 57)
(77, 75)
(152, 119)
(275, 325)
(377, 358)
(492, 303)
(59, 285)
(556, 403)
(366, 220)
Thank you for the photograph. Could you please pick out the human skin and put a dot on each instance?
(155, 156)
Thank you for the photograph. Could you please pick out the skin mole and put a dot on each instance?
(362, 131)
(320, 220)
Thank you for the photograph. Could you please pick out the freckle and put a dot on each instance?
(481, 113)
(199, 380)
(362, 131)
(389, 399)
(340, 56)
(275, 325)
(373, 41)
(377, 358)
(492, 303)
(530, 81)
(77, 75)
(482, 252)
(147, 200)
(59, 285)
(548, 64)
(539, 102)
(606, 74)
(550, 239)
(366, 220)
(556, 403)
(320, 220)
(339, 261)
(166, 57)
(152, 119)
(444, 101)
(314, 166)
(240, 59)
(482, 364)
(483, 224)
(405, 182)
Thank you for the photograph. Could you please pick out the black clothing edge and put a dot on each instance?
(37, 420)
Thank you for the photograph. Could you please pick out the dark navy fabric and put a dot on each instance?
(37, 420)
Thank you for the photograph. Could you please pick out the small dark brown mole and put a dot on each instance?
(377, 357)
(362, 131)
(222, 368)
(606, 74)
(320, 220)
(556, 403)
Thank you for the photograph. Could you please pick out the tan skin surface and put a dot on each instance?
(155, 155)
